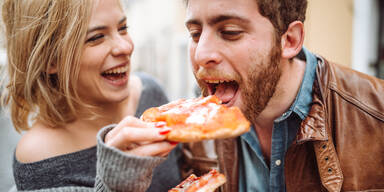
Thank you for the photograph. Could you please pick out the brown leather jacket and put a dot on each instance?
(339, 146)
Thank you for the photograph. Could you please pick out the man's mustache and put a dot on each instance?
(216, 74)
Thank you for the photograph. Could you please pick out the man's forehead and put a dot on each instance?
(214, 11)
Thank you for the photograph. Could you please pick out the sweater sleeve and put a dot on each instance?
(115, 171)
(118, 171)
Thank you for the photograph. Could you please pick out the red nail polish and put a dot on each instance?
(164, 131)
(160, 124)
(173, 142)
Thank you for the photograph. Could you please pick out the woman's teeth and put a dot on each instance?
(117, 70)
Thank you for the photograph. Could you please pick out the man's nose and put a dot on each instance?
(207, 52)
(122, 45)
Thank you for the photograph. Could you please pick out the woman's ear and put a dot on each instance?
(52, 70)
(292, 40)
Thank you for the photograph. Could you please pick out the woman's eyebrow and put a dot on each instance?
(104, 27)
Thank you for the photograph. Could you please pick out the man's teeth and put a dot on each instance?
(217, 81)
(117, 70)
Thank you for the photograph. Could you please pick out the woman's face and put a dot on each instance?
(105, 62)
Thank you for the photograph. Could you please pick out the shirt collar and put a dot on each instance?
(303, 100)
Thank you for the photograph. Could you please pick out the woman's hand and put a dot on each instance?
(139, 138)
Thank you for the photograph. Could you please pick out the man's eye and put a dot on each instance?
(94, 38)
(195, 35)
(231, 35)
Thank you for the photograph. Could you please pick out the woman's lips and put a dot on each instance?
(116, 79)
(118, 75)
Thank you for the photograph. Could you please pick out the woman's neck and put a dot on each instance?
(91, 120)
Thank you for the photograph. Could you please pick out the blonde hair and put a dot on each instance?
(42, 35)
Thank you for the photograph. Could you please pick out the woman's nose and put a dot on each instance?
(122, 45)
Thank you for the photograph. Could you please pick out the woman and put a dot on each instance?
(68, 65)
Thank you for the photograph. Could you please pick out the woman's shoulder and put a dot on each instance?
(149, 82)
(152, 94)
(150, 85)
(40, 143)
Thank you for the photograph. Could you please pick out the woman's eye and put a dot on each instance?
(123, 28)
(94, 38)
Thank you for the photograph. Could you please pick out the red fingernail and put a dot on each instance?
(173, 142)
(164, 131)
(160, 124)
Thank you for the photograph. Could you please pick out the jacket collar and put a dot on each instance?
(313, 126)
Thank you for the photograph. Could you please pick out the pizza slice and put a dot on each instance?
(198, 119)
(206, 183)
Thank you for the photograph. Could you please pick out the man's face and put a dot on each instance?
(234, 52)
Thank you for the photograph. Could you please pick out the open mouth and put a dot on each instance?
(225, 90)
(117, 73)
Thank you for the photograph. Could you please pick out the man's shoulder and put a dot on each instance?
(362, 90)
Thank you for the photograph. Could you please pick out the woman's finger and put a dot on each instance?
(128, 135)
(128, 121)
(153, 149)
(164, 154)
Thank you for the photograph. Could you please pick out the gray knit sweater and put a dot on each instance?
(102, 168)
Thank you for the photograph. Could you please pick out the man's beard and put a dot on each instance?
(259, 88)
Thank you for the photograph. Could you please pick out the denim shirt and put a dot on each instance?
(254, 174)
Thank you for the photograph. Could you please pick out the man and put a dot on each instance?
(316, 126)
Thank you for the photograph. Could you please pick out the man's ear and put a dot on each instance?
(292, 40)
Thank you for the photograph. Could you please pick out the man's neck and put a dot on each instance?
(286, 92)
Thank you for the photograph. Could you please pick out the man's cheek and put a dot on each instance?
(240, 103)
(203, 88)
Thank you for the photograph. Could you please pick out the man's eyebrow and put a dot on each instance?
(104, 27)
(218, 19)
(192, 22)
(222, 18)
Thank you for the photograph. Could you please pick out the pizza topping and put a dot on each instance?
(206, 183)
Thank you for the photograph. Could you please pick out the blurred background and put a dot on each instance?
(348, 32)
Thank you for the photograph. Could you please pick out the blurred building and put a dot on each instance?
(157, 29)
(344, 31)
(347, 32)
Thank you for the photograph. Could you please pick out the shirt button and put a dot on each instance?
(278, 162)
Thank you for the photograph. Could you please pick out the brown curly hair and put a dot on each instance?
(281, 12)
